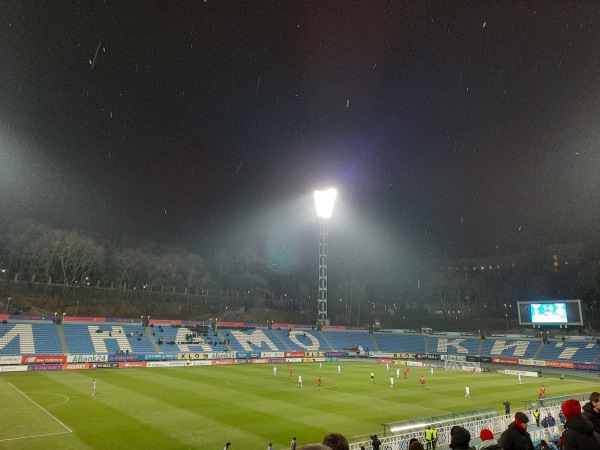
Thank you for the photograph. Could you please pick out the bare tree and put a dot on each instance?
(77, 256)
(22, 246)
(167, 274)
(127, 266)
(194, 274)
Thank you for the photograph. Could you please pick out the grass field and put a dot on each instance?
(204, 407)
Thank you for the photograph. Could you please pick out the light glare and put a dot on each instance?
(324, 201)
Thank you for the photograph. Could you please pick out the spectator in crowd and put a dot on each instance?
(561, 417)
(516, 437)
(591, 410)
(544, 445)
(460, 438)
(545, 422)
(336, 441)
(548, 421)
(416, 445)
(375, 442)
(579, 432)
(488, 441)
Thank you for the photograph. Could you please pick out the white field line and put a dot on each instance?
(28, 398)
(35, 436)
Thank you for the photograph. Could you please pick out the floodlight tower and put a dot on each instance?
(324, 201)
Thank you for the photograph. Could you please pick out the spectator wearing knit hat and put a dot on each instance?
(516, 437)
(579, 432)
(460, 438)
(488, 441)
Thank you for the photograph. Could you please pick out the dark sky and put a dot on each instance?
(453, 128)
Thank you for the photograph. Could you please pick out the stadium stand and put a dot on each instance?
(454, 345)
(569, 351)
(106, 338)
(399, 342)
(44, 337)
(522, 348)
(29, 338)
(341, 340)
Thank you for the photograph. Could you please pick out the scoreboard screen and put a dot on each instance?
(560, 312)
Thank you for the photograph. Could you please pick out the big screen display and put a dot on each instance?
(560, 312)
(548, 313)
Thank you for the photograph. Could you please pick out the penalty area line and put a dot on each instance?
(32, 401)
(35, 436)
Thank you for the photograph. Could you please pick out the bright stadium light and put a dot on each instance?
(324, 201)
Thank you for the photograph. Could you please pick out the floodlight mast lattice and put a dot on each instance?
(324, 201)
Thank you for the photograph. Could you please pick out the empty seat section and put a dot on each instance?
(400, 342)
(509, 347)
(569, 351)
(348, 340)
(29, 338)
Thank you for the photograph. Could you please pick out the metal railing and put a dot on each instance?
(496, 424)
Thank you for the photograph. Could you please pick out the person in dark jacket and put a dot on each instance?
(579, 432)
(516, 437)
(460, 438)
(488, 442)
(375, 442)
(545, 422)
(591, 410)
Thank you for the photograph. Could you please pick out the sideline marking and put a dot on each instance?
(32, 401)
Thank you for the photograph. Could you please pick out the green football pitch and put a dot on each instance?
(203, 407)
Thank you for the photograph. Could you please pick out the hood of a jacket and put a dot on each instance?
(581, 424)
(588, 407)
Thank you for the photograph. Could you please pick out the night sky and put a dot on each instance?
(450, 128)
